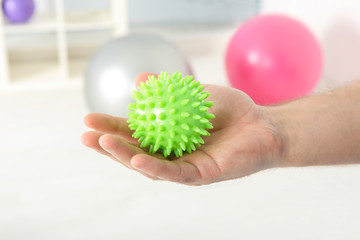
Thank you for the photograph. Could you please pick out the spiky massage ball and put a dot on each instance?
(170, 114)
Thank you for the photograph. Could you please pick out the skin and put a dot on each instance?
(323, 129)
(246, 138)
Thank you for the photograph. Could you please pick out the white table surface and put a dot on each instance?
(52, 187)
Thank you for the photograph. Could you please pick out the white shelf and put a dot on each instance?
(39, 24)
(30, 59)
(86, 21)
(77, 68)
(35, 72)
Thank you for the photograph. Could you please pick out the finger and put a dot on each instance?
(175, 171)
(110, 124)
(91, 140)
(121, 150)
(209, 170)
(143, 77)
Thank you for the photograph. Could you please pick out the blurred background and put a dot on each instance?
(52, 187)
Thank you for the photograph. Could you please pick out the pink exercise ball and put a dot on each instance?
(273, 58)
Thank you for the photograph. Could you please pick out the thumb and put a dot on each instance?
(142, 77)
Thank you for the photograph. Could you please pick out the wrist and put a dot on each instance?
(298, 147)
(275, 146)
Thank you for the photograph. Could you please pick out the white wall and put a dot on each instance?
(336, 23)
(165, 12)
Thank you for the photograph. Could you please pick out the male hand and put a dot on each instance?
(243, 141)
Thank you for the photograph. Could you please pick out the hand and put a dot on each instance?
(243, 141)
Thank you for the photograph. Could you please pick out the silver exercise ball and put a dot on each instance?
(111, 72)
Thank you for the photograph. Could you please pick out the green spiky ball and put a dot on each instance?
(170, 114)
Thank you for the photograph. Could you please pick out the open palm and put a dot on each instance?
(243, 141)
